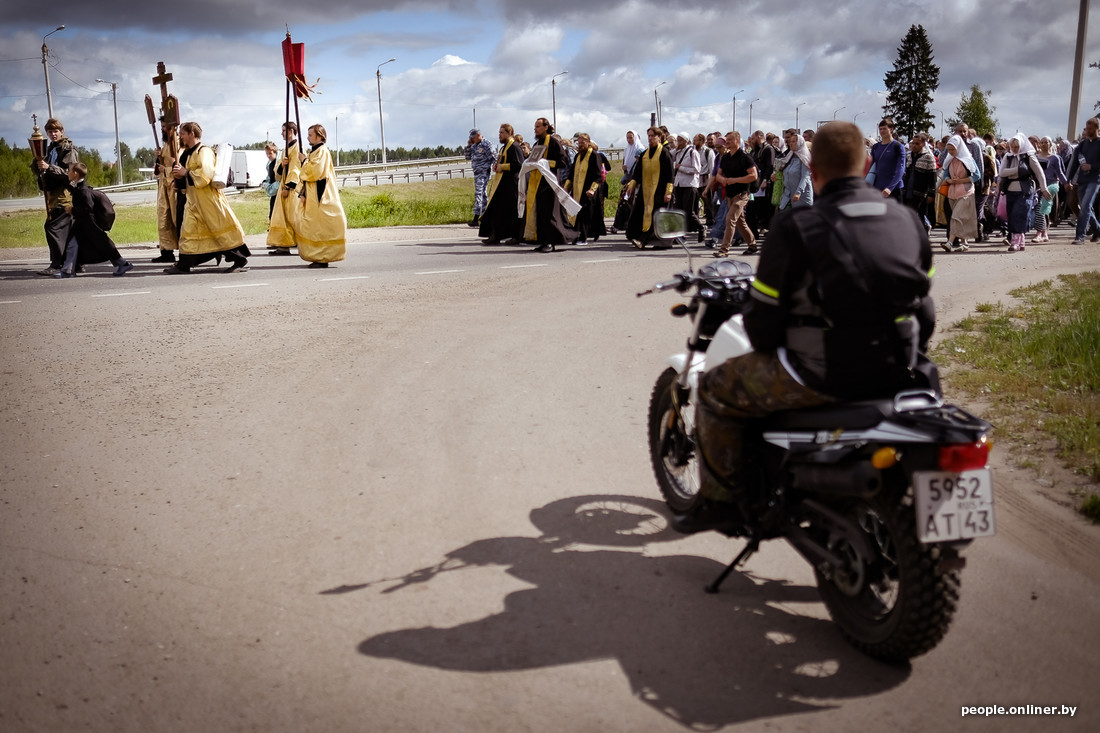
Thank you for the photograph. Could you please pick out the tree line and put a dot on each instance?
(17, 180)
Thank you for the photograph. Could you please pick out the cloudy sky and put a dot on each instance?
(457, 60)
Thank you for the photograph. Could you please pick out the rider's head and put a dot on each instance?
(838, 152)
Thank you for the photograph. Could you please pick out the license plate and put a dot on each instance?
(953, 506)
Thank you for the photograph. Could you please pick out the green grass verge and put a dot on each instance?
(402, 204)
(1037, 364)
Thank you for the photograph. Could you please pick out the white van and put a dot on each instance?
(249, 168)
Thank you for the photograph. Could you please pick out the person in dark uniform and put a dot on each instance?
(839, 311)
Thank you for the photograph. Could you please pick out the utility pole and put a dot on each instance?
(734, 123)
(381, 122)
(554, 96)
(46, 67)
(118, 144)
(1073, 129)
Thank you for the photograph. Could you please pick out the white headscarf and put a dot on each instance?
(630, 152)
(1026, 148)
(962, 154)
(801, 151)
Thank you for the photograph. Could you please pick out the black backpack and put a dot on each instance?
(103, 211)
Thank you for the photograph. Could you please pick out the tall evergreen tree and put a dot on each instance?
(974, 109)
(911, 84)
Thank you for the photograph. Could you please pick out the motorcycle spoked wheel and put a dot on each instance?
(900, 605)
(671, 444)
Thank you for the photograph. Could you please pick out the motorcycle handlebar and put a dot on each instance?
(680, 282)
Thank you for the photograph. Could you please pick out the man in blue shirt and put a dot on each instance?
(1085, 166)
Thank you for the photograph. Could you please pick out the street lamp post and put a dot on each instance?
(118, 145)
(941, 119)
(46, 67)
(750, 113)
(381, 122)
(336, 137)
(554, 96)
(837, 110)
(796, 115)
(657, 100)
(734, 122)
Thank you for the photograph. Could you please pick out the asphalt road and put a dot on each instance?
(412, 493)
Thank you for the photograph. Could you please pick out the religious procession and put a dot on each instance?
(552, 190)
(195, 223)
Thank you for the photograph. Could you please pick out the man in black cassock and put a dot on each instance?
(501, 220)
(585, 185)
(651, 184)
(545, 220)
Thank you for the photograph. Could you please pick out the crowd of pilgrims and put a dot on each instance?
(975, 188)
(550, 191)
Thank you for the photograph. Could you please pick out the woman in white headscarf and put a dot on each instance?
(1021, 175)
(797, 188)
(958, 169)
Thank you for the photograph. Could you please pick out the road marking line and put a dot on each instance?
(520, 267)
(9, 302)
(614, 259)
(249, 285)
(119, 295)
(438, 272)
(350, 277)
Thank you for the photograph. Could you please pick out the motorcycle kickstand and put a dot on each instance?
(753, 546)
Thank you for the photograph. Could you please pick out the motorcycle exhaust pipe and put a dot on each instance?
(859, 479)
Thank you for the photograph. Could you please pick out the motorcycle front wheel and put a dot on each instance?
(672, 442)
(901, 603)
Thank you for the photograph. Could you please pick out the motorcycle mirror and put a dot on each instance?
(671, 224)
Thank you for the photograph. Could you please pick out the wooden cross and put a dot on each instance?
(161, 79)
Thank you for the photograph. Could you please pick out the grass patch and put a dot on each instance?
(1037, 364)
(430, 203)
(401, 204)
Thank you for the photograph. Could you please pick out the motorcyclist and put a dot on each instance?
(839, 310)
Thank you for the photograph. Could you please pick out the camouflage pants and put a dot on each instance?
(481, 198)
(746, 387)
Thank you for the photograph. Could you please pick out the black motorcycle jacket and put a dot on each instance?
(843, 287)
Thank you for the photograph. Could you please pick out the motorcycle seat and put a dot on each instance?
(846, 415)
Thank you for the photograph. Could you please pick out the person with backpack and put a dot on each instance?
(93, 216)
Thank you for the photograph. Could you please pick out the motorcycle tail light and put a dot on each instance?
(964, 456)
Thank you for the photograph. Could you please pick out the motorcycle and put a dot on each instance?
(879, 496)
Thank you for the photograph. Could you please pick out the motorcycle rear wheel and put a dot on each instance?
(901, 604)
(672, 443)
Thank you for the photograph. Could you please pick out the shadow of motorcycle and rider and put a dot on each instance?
(704, 661)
